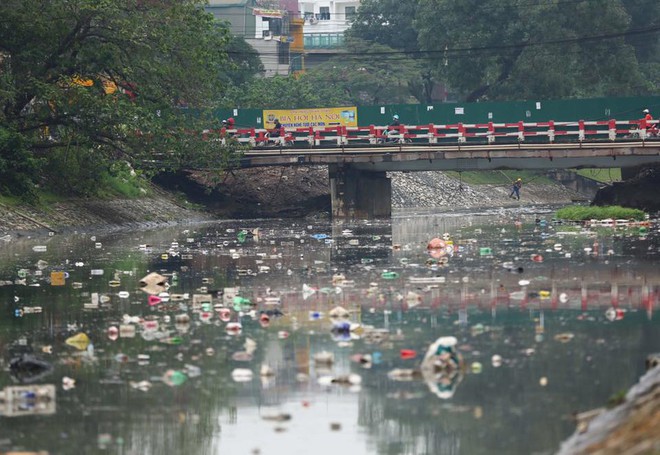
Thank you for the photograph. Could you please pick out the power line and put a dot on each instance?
(463, 50)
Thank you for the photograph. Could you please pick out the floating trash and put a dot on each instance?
(564, 337)
(79, 341)
(614, 314)
(174, 378)
(242, 375)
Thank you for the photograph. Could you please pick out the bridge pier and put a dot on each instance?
(359, 194)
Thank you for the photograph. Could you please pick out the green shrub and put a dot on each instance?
(121, 180)
(581, 213)
(74, 171)
(19, 169)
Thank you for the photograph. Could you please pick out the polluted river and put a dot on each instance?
(308, 336)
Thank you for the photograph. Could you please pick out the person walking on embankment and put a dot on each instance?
(515, 189)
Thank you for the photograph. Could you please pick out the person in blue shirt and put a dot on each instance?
(515, 189)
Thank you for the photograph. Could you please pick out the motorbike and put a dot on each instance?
(393, 137)
(651, 133)
(281, 141)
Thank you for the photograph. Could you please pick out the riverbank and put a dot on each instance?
(287, 192)
(629, 428)
(303, 190)
(159, 208)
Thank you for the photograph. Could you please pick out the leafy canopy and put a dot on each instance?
(111, 79)
(359, 76)
(520, 49)
(516, 49)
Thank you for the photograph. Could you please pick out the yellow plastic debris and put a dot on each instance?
(79, 341)
(57, 279)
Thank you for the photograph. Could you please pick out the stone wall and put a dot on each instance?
(159, 209)
(437, 189)
(263, 192)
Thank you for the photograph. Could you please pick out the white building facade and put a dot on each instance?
(326, 21)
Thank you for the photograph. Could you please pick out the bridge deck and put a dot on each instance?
(425, 157)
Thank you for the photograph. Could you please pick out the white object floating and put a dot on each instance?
(242, 375)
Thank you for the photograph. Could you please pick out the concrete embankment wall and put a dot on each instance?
(155, 210)
(272, 192)
(437, 189)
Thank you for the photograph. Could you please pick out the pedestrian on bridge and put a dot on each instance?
(515, 189)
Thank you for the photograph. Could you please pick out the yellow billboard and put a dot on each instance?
(301, 118)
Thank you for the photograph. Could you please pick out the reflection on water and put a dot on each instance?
(240, 355)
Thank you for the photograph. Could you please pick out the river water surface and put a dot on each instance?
(238, 354)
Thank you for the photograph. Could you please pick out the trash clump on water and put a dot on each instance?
(441, 368)
(28, 368)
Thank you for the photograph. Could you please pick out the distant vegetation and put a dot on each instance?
(602, 175)
(580, 213)
(498, 177)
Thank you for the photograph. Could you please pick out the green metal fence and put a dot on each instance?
(508, 112)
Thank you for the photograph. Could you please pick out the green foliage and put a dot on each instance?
(283, 92)
(243, 65)
(391, 23)
(18, 167)
(387, 22)
(616, 399)
(89, 83)
(365, 77)
(497, 177)
(360, 77)
(581, 213)
(515, 49)
(74, 171)
(122, 180)
(601, 175)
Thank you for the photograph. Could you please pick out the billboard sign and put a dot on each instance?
(301, 118)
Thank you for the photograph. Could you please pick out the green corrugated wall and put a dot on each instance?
(513, 111)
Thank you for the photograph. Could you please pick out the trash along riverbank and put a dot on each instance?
(287, 192)
(103, 215)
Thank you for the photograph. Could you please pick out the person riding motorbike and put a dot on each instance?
(392, 128)
(277, 128)
(651, 128)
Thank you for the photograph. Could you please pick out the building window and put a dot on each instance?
(324, 13)
(349, 13)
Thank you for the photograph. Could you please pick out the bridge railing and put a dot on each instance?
(459, 133)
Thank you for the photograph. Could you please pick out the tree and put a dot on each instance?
(515, 49)
(282, 92)
(368, 74)
(644, 15)
(392, 23)
(360, 76)
(244, 63)
(109, 80)
(387, 22)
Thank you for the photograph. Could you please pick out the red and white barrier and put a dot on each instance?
(490, 133)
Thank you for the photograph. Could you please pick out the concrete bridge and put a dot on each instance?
(360, 157)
